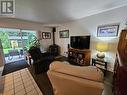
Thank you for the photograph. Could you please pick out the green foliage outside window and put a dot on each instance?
(28, 39)
(4, 39)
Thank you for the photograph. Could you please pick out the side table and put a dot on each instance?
(100, 63)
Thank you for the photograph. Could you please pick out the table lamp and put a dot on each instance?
(101, 48)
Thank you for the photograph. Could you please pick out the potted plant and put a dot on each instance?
(34, 43)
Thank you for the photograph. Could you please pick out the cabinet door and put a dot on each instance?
(70, 53)
(70, 56)
(122, 81)
(116, 77)
(80, 58)
(87, 58)
(122, 45)
(126, 45)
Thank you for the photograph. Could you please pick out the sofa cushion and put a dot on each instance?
(87, 72)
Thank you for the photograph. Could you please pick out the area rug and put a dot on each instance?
(14, 66)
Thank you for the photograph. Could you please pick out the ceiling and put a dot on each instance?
(59, 11)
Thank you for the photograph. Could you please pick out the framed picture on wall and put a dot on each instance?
(46, 35)
(108, 31)
(64, 34)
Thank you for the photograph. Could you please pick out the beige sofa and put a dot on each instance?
(67, 79)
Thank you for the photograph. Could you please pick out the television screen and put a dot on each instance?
(80, 42)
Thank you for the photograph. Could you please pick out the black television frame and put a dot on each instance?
(77, 42)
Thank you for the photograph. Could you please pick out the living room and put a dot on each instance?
(80, 23)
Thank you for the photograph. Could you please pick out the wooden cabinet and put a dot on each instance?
(120, 68)
(122, 45)
(79, 56)
(120, 75)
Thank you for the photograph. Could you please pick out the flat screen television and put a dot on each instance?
(80, 42)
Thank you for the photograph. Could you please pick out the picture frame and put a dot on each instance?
(108, 31)
(46, 35)
(64, 34)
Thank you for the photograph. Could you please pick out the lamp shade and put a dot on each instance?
(102, 47)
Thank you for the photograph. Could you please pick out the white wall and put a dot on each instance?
(89, 25)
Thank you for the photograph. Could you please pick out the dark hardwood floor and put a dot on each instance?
(43, 81)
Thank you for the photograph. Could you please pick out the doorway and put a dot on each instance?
(15, 43)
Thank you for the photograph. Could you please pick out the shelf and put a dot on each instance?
(79, 56)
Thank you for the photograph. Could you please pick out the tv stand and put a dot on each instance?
(79, 56)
